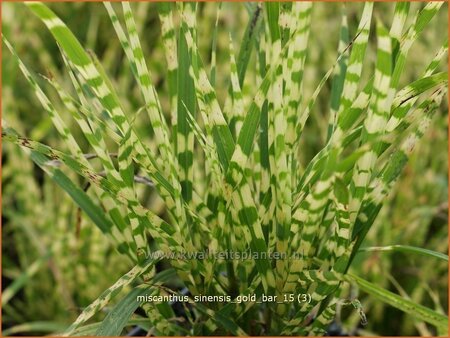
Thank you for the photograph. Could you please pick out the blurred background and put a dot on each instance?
(62, 262)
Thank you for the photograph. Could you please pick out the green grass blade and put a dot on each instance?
(405, 249)
(406, 97)
(149, 93)
(186, 101)
(421, 20)
(339, 74)
(40, 326)
(108, 294)
(234, 107)
(169, 38)
(250, 35)
(90, 329)
(118, 317)
(214, 46)
(206, 94)
(355, 62)
(400, 16)
(416, 310)
(96, 81)
(374, 124)
(385, 180)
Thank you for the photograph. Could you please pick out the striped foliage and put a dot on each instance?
(229, 165)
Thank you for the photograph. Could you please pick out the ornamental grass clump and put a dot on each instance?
(229, 166)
